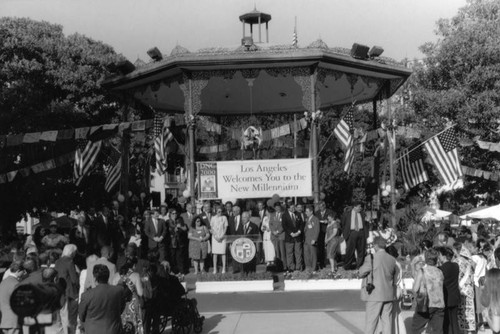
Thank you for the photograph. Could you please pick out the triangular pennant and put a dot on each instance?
(11, 175)
(37, 168)
(14, 140)
(65, 134)
(33, 137)
(49, 135)
(25, 171)
(81, 133)
(139, 126)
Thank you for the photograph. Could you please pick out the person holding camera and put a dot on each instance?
(379, 273)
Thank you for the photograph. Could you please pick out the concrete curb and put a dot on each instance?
(289, 285)
(234, 286)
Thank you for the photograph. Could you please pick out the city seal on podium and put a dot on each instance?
(243, 250)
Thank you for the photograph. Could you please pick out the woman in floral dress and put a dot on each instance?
(333, 239)
(466, 309)
(132, 315)
(198, 243)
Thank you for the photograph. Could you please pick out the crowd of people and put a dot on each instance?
(157, 242)
(456, 284)
(150, 252)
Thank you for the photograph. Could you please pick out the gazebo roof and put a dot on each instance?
(341, 78)
(253, 17)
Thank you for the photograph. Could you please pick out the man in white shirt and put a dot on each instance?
(355, 229)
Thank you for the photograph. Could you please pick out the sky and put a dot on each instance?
(132, 27)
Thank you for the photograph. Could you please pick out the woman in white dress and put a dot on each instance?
(218, 228)
(267, 244)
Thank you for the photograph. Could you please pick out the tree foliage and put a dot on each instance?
(459, 84)
(49, 80)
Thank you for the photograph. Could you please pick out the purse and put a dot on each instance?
(422, 298)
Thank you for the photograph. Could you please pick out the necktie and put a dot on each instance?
(246, 228)
(237, 222)
(356, 222)
(155, 223)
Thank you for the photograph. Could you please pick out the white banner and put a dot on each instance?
(254, 178)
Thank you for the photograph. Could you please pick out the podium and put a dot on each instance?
(243, 247)
(256, 238)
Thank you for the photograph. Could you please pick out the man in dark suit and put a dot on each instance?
(122, 235)
(103, 230)
(188, 215)
(355, 230)
(206, 214)
(80, 237)
(382, 272)
(250, 229)
(322, 215)
(100, 308)
(235, 227)
(311, 233)
(278, 235)
(293, 226)
(156, 231)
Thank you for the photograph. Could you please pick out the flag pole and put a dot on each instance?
(392, 146)
(124, 177)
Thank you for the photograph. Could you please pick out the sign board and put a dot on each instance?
(243, 250)
(254, 178)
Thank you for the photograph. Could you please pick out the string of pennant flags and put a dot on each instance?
(440, 146)
(38, 167)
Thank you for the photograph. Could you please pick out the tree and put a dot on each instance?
(459, 83)
(48, 81)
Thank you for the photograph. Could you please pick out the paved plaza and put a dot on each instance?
(304, 312)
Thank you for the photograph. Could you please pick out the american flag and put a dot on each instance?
(344, 132)
(85, 155)
(162, 136)
(412, 166)
(444, 154)
(114, 170)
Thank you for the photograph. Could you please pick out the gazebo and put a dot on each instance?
(260, 78)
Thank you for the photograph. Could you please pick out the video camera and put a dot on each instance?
(36, 300)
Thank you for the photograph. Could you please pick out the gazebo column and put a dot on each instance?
(267, 32)
(307, 78)
(191, 86)
(314, 138)
(260, 33)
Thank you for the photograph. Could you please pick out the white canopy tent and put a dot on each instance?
(435, 214)
(491, 212)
